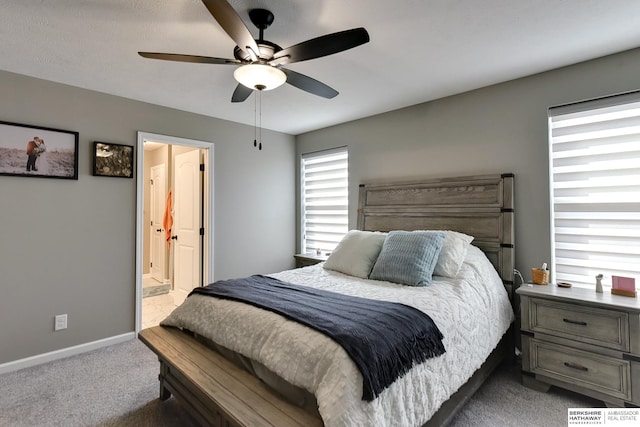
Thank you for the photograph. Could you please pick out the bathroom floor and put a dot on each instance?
(157, 302)
(156, 308)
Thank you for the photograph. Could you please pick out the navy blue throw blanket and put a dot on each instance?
(384, 339)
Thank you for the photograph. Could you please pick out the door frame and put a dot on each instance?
(208, 206)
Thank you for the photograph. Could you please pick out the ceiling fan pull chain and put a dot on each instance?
(260, 118)
(255, 120)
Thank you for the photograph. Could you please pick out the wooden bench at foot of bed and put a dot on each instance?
(214, 390)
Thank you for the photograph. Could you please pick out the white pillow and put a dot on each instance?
(356, 253)
(454, 250)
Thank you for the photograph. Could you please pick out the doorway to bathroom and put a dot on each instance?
(174, 238)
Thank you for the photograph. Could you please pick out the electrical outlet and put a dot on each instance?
(61, 322)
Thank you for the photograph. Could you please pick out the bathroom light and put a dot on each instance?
(260, 76)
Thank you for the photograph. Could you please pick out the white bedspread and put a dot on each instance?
(472, 311)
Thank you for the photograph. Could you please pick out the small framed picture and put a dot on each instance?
(112, 160)
(40, 152)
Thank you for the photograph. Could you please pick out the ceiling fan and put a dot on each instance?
(261, 61)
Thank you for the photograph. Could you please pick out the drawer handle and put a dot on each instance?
(575, 322)
(574, 366)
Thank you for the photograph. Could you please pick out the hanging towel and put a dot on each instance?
(167, 220)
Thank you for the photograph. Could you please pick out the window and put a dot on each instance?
(595, 189)
(325, 198)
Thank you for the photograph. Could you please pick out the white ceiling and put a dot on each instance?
(419, 50)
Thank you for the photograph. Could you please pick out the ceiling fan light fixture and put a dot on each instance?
(260, 76)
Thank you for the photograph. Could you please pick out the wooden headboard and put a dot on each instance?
(480, 206)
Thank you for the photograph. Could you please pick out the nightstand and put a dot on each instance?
(305, 260)
(582, 341)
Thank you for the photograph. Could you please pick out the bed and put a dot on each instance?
(428, 394)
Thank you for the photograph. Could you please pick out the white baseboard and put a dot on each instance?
(62, 353)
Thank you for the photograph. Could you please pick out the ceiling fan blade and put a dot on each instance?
(232, 24)
(241, 93)
(188, 58)
(321, 46)
(308, 84)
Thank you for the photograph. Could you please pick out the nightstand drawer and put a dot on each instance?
(589, 370)
(606, 328)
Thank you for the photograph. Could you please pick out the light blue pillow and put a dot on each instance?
(408, 257)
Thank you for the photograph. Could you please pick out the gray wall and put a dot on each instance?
(69, 246)
(501, 128)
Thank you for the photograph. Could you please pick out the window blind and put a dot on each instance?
(325, 198)
(595, 190)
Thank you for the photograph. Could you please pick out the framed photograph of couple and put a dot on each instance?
(40, 152)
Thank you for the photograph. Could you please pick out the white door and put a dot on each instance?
(157, 203)
(187, 197)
